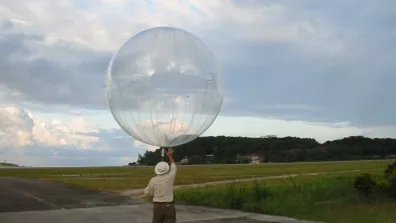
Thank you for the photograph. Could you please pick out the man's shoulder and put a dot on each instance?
(153, 179)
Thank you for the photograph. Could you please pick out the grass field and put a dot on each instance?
(327, 198)
(122, 178)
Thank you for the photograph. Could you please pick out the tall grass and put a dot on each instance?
(258, 197)
(320, 199)
(232, 196)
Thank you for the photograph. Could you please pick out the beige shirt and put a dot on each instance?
(161, 186)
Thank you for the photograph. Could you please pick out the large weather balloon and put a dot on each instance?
(163, 87)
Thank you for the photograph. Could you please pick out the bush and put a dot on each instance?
(365, 184)
(392, 185)
(390, 175)
(383, 184)
(390, 171)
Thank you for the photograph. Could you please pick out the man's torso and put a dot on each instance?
(163, 186)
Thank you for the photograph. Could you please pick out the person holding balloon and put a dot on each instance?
(163, 88)
(161, 188)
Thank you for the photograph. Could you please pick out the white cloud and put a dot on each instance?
(56, 133)
(31, 138)
(144, 145)
(94, 26)
(16, 128)
(20, 129)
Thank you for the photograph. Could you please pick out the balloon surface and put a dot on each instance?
(163, 87)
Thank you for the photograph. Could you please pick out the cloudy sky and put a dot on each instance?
(319, 69)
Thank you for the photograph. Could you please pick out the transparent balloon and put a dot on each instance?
(163, 87)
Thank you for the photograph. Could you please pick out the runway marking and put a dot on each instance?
(35, 198)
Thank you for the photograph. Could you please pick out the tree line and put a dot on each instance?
(231, 150)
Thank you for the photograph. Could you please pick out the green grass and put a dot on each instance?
(121, 178)
(327, 198)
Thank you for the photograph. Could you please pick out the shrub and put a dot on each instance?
(390, 171)
(365, 184)
(392, 185)
(383, 184)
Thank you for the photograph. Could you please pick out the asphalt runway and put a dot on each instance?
(17, 194)
(37, 201)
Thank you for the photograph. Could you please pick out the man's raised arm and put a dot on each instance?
(170, 156)
(172, 162)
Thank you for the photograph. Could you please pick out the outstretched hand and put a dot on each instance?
(170, 152)
(170, 155)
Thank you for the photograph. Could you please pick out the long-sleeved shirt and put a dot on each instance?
(161, 186)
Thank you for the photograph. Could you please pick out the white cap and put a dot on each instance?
(161, 168)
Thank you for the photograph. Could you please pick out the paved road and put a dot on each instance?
(38, 201)
(31, 194)
(140, 213)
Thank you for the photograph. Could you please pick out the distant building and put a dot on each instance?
(209, 158)
(254, 159)
(268, 136)
(250, 158)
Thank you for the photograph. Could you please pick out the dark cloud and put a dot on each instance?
(75, 78)
(288, 81)
(361, 92)
(278, 78)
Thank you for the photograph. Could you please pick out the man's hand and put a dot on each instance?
(170, 152)
(170, 155)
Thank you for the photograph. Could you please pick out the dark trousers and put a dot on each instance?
(164, 213)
